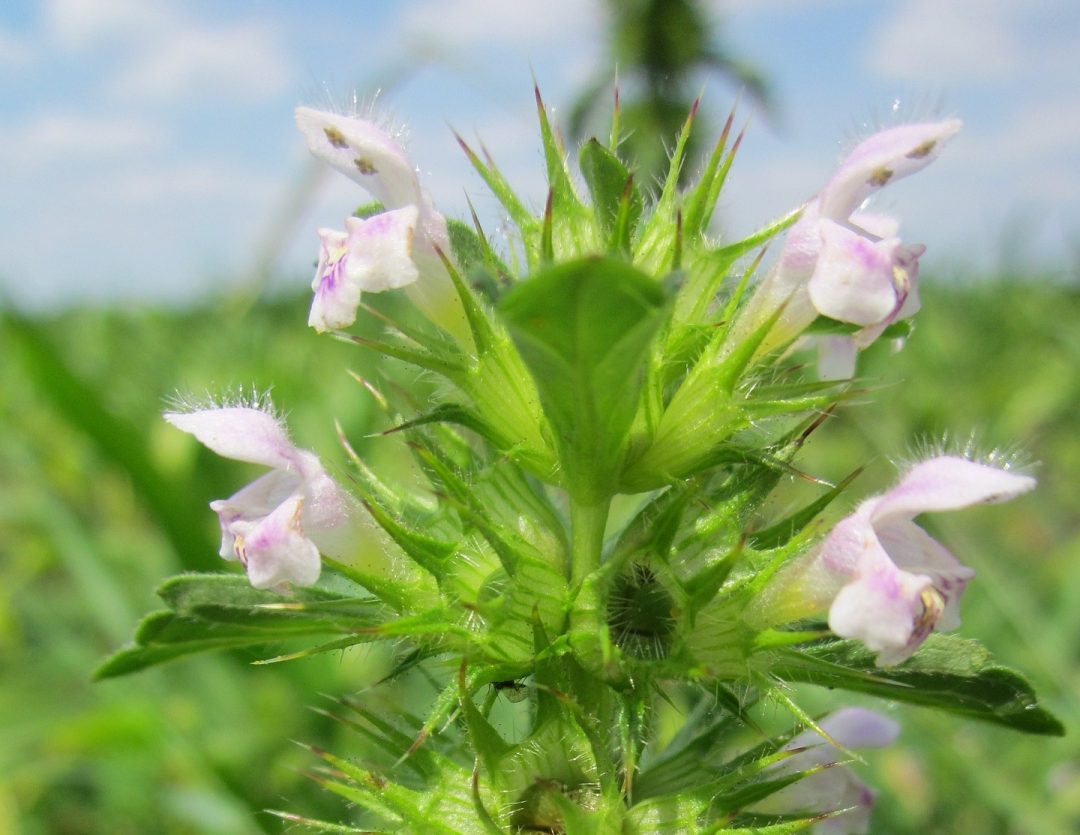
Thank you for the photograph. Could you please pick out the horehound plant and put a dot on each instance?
(611, 354)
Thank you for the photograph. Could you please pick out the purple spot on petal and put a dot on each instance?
(922, 150)
(335, 137)
(332, 276)
(881, 176)
(379, 224)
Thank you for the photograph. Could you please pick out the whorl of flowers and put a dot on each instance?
(607, 406)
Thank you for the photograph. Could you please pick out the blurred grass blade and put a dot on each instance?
(119, 441)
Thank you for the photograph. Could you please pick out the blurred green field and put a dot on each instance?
(100, 500)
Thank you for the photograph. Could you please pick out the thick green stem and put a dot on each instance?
(587, 626)
(587, 524)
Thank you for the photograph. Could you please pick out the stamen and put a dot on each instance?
(240, 549)
(933, 605)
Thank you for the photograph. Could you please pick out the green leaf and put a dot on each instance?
(559, 182)
(701, 199)
(485, 271)
(318, 825)
(369, 210)
(429, 553)
(684, 766)
(134, 658)
(666, 815)
(480, 326)
(607, 179)
(950, 673)
(499, 186)
(229, 598)
(583, 329)
(470, 250)
(489, 747)
(447, 413)
(449, 366)
(785, 828)
(655, 237)
(701, 203)
(222, 611)
(755, 239)
(164, 636)
(783, 531)
(314, 825)
(187, 592)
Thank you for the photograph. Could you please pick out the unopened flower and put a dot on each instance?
(834, 787)
(277, 525)
(392, 249)
(845, 264)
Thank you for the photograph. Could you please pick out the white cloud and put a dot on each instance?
(748, 7)
(1029, 160)
(84, 24)
(1013, 163)
(195, 180)
(14, 51)
(166, 55)
(972, 40)
(466, 22)
(1034, 133)
(243, 59)
(51, 138)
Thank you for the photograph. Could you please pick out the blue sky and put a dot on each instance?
(149, 152)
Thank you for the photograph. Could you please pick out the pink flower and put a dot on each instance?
(387, 251)
(371, 255)
(849, 265)
(834, 787)
(890, 582)
(277, 525)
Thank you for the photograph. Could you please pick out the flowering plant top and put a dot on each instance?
(616, 348)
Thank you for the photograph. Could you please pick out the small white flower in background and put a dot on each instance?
(891, 583)
(277, 525)
(834, 787)
(390, 250)
(846, 264)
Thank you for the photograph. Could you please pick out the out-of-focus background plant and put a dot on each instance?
(99, 500)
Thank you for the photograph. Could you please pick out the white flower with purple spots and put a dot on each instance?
(277, 525)
(390, 250)
(846, 264)
(834, 787)
(890, 582)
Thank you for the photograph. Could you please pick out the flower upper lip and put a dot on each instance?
(363, 152)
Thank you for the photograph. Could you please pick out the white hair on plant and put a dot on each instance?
(1013, 458)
